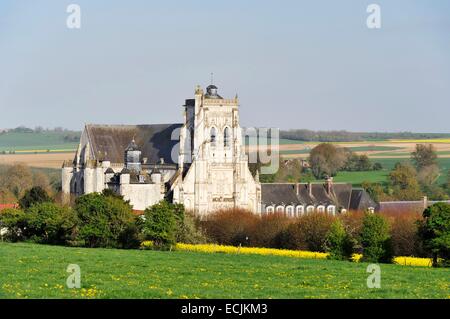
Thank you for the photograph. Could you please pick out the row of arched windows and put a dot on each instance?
(226, 136)
(299, 210)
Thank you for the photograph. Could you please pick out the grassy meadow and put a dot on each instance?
(37, 271)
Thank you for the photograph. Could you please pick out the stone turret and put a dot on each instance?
(133, 157)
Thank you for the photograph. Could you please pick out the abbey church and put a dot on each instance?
(200, 163)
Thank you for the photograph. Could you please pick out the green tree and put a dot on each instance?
(103, 220)
(162, 221)
(14, 221)
(375, 239)
(435, 232)
(377, 166)
(338, 243)
(50, 224)
(34, 195)
(403, 180)
(375, 191)
(424, 155)
(447, 185)
(327, 159)
(428, 175)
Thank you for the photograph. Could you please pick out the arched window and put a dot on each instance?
(290, 211)
(310, 209)
(280, 209)
(226, 137)
(269, 209)
(321, 209)
(213, 136)
(300, 210)
(331, 210)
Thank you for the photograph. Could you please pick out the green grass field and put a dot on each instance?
(36, 271)
(15, 141)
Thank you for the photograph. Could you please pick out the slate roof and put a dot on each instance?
(342, 195)
(108, 142)
(405, 206)
(360, 200)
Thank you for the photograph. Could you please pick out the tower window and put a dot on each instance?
(213, 136)
(226, 137)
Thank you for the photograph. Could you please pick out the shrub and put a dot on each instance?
(190, 231)
(405, 239)
(435, 232)
(35, 195)
(50, 224)
(265, 230)
(230, 227)
(338, 243)
(309, 232)
(12, 224)
(375, 239)
(161, 224)
(104, 221)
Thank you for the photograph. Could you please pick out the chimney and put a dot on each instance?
(425, 202)
(329, 185)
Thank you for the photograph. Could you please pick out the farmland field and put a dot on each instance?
(35, 142)
(44, 160)
(387, 153)
(37, 271)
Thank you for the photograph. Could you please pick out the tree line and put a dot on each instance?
(107, 220)
(345, 136)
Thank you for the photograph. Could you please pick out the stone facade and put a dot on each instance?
(213, 166)
(200, 163)
(207, 170)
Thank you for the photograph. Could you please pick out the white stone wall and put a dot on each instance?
(142, 196)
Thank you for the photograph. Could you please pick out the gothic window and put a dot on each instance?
(226, 137)
(280, 209)
(321, 209)
(213, 136)
(269, 210)
(300, 210)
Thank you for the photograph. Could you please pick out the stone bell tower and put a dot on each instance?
(214, 171)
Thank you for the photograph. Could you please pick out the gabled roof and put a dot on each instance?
(108, 142)
(360, 200)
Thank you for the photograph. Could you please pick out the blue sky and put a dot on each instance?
(294, 64)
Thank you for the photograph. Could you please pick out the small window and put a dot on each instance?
(269, 210)
(213, 136)
(280, 209)
(141, 179)
(226, 137)
(300, 210)
(331, 210)
(321, 209)
(290, 211)
(310, 209)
